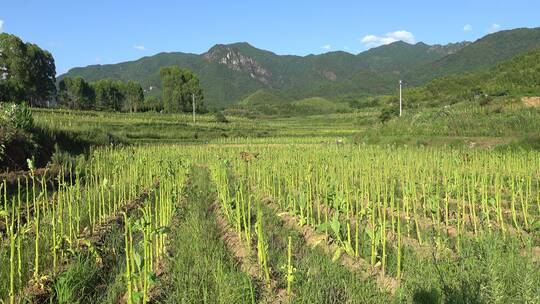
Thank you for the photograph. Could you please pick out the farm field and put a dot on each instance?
(306, 152)
(276, 224)
(146, 128)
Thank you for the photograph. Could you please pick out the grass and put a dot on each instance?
(151, 128)
(200, 268)
(317, 279)
(503, 121)
(488, 265)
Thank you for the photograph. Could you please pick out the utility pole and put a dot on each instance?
(400, 99)
(193, 103)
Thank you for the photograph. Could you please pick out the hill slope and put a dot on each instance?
(483, 53)
(488, 103)
(515, 77)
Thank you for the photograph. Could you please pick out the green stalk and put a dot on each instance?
(290, 269)
(11, 261)
(36, 224)
(19, 232)
(398, 275)
(128, 257)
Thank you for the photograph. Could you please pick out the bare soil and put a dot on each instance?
(531, 101)
(318, 240)
(246, 261)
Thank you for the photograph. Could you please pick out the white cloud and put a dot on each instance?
(327, 46)
(494, 28)
(467, 28)
(372, 40)
(140, 47)
(1, 26)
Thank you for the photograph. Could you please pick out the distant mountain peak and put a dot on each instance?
(231, 56)
(448, 49)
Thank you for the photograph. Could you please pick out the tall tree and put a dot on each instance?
(133, 96)
(42, 75)
(75, 93)
(27, 73)
(179, 86)
(193, 92)
(152, 103)
(109, 96)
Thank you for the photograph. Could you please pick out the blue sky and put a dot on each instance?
(80, 33)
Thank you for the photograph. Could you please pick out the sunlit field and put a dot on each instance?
(155, 127)
(276, 223)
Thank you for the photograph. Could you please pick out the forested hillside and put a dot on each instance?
(483, 53)
(230, 73)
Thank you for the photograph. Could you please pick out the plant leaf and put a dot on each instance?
(337, 255)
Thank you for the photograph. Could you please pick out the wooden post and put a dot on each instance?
(400, 100)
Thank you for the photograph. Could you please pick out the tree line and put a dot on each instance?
(28, 75)
(102, 95)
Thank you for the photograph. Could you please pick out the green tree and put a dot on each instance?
(26, 72)
(75, 93)
(108, 95)
(152, 103)
(179, 87)
(42, 75)
(133, 96)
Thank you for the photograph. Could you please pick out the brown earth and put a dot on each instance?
(356, 265)
(246, 261)
(531, 101)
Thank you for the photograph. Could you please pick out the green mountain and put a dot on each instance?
(400, 57)
(231, 73)
(515, 77)
(483, 53)
(263, 97)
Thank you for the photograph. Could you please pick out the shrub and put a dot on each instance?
(388, 113)
(17, 116)
(485, 100)
(220, 117)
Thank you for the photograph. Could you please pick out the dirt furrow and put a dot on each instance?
(314, 239)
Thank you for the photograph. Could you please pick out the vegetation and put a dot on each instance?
(181, 90)
(365, 223)
(485, 104)
(103, 95)
(283, 197)
(27, 73)
(482, 54)
(331, 75)
(264, 103)
(150, 127)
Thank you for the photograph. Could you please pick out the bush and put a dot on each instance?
(484, 100)
(388, 113)
(220, 117)
(17, 116)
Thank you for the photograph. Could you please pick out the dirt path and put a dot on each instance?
(200, 264)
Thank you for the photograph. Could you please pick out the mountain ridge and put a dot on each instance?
(231, 72)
